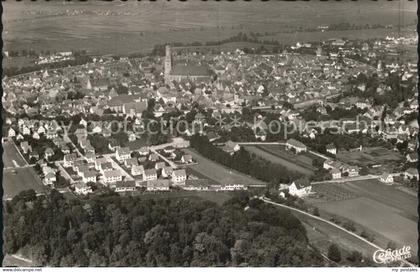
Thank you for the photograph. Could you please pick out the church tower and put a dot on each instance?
(168, 62)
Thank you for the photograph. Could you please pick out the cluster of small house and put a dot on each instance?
(125, 172)
(34, 128)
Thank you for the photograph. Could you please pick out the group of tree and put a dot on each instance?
(110, 230)
(244, 162)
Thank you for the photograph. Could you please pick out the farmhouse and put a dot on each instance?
(386, 178)
(353, 171)
(330, 164)
(295, 145)
(335, 173)
(300, 188)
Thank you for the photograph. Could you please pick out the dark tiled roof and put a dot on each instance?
(190, 70)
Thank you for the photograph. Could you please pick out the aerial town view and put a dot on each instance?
(205, 134)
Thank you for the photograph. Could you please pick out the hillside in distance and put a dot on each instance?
(121, 28)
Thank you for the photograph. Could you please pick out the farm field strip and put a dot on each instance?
(218, 172)
(379, 208)
(11, 156)
(337, 234)
(274, 158)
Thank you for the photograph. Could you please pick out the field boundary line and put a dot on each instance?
(20, 153)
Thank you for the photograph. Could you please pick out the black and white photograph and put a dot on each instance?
(216, 134)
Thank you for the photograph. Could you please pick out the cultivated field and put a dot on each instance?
(322, 234)
(219, 173)
(103, 27)
(380, 209)
(372, 156)
(277, 154)
(11, 156)
(15, 181)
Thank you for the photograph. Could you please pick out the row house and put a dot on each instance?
(157, 185)
(112, 176)
(149, 174)
(179, 177)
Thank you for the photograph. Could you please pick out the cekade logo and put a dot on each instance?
(389, 255)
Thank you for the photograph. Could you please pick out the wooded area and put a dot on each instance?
(129, 231)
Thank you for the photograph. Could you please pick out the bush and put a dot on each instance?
(334, 219)
(334, 253)
(315, 211)
(348, 225)
(367, 236)
(355, 257)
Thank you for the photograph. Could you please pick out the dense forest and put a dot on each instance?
(111, 230)
(245, 162)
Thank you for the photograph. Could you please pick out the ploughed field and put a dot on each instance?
(121, 28)
(383, 210)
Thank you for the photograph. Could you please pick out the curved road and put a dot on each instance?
(332, 224)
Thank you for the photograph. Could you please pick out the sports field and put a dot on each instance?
(15, 181)
(11, 156)
(381, 209)
(277, 154)
(218, 172)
